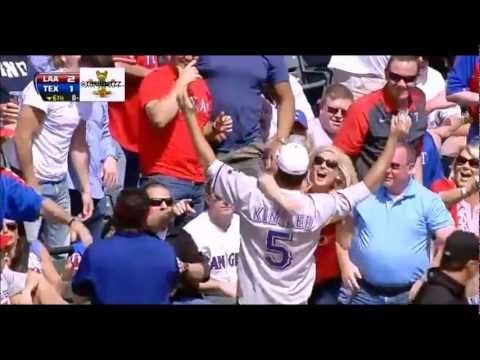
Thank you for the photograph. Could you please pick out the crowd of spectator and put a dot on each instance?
(214, 182)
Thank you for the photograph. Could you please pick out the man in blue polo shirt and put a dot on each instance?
(131, 267)
(236, 84)
(390, 248)
(20, 202)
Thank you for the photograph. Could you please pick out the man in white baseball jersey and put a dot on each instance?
(276, 263)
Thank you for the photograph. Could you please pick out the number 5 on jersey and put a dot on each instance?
(278, 254)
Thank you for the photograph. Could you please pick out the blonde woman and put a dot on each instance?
(460, 191)
(460, 194)
(330, 170)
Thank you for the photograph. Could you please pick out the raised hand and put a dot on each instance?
(400, 125)
(188, 74)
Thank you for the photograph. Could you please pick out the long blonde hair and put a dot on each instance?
(345, 165)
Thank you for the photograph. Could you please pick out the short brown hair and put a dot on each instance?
(131, 209)
(402, 58)
(336, 91)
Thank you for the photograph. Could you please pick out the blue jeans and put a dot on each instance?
(52, 234)
(326, 293)
(364, 297)
(181, 189)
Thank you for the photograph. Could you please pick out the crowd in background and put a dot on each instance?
(130, 173)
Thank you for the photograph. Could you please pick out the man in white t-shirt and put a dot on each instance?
(276, 263)
(361, 74)
(332, 109)
(216, 232)
(46, 133)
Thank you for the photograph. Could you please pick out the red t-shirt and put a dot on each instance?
(326, 261)
(442, 185)
(169, 151)
(125, 116)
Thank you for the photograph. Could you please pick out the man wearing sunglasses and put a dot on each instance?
(333, 109)
(391, 241)
(366, 126)
(193, 264)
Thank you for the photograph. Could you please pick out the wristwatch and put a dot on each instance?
(74, 218)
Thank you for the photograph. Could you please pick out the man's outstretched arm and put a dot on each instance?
(205, 152)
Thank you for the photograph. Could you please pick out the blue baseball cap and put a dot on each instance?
(301, 118)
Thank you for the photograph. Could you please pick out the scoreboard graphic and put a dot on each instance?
(90, 84)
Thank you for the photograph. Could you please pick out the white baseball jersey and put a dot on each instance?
(220, 247)
(276, 260)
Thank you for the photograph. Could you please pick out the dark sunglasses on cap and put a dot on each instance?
(11, 226)
(334, 111)
(472, 162)
(318, 160)
(396, 78)
(160, 201)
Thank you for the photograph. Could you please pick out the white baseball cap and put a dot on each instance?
(293, 159)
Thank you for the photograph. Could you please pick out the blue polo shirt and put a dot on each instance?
(18, 201)
(129, 268)
(431, 161)
(390, 243)
(236, 84)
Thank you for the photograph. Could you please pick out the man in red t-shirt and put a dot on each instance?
(124, 116)
(165, 151)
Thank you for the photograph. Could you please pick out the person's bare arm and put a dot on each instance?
(204, 151)
(399, 129)
(53, 212)
(49, 271)
(349, 271)
(218, 130)
(80, 159)
(467, 98)
(162, 111)
(216, 286)
(453, 196)
(284, 99)
(439, 102)
(30, 122)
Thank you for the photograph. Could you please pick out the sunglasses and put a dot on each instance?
(160, 201)
(472, 162)
(396, 78)
(318, 160)
(334, 111)
(11, 226)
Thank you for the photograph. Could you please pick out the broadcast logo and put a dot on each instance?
(102, 84)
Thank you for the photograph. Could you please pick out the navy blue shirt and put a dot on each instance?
(236, 84)
(127, 269)
(16, 72)
(432, 163)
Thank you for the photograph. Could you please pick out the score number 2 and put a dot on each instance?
(283, 256)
